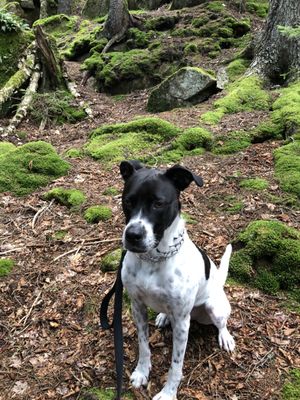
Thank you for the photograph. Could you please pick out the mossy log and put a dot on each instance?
(25, 103)
(20, 77)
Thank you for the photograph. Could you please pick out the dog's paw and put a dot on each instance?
(226, 340)
(163, 396)
(138, 379)
(162, 320)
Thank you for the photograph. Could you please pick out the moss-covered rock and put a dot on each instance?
(71, 198)
(113, 143)
(6, 266)
(74, 37)
(28, 167)
(94, 214)
(190, 85)
(254, 184)
(287, 167)
(111, 261)
(122, 72)
(212, 117)
(268, 257)
(161, 23)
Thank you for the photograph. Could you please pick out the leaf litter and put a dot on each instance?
(50, 341)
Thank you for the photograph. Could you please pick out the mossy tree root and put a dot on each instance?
(21, 76)
(25, 103)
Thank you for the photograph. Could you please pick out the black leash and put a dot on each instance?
(116, 324)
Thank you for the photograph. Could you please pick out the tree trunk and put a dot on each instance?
(51, 65)
(277, 55)
(118, 21)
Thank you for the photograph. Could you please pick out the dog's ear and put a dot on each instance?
(127, 168)
(182, 177)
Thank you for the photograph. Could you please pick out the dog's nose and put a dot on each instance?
(135, 233)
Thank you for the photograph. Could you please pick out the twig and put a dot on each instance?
(200, 364)
(2, 253)
(41, 211)
(260, 363)
(76, 250)
(25, 318)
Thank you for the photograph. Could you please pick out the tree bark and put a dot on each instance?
(52, 69)
(277, 55)
(118, 18)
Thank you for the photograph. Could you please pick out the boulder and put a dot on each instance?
(188, 86)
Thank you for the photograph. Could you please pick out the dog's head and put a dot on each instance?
(150, 202)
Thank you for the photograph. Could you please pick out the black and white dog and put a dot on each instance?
(164, 270)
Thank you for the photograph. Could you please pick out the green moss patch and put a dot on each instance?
(111, 261)
(194, 138)
(286, 110)
(5, 147)
(237, 68)
(244, 95)
(103, 394)
(6, 266)
(268, 257)
(57, 107)
(94, 214)
(74, 153)
(113, 143)
(232, 142)
(287, 167)
(291, 389)
(254, 184)
(28, 167)
(71, 198)
(111, 191)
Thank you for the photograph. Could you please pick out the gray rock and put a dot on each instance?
(188, 86)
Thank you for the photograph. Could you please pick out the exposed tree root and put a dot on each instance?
(20, 77)
(25, 103)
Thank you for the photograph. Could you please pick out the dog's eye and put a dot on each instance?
(158, 204)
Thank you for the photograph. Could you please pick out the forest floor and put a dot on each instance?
(51, 344)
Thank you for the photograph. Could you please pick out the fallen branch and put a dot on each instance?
(25, 103)
(25, 318)
(40, 212)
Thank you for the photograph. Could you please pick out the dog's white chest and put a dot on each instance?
(160, 286)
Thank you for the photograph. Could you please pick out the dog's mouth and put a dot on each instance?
(139, 246)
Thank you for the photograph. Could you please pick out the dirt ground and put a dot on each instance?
(50, 341)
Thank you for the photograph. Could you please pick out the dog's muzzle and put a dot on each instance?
(134, 238)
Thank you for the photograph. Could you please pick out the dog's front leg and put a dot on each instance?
(180, 337)
(139, 377)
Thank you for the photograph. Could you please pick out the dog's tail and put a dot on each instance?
(224, 265)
